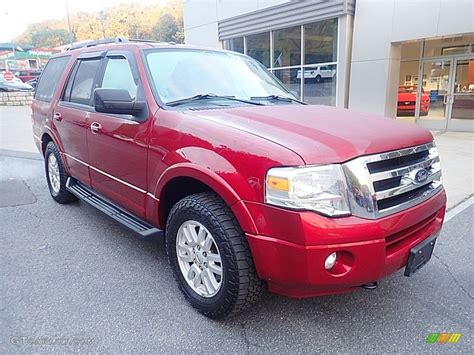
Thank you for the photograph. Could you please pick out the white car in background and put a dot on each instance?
(317, 74)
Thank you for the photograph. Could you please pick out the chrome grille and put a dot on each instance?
(386, 183)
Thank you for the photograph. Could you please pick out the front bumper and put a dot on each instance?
(291, 247)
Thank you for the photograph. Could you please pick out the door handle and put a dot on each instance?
(57, 116)
(95, 127)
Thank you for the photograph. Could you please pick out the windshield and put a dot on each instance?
(179, 74)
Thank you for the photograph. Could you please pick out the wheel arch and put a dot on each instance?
(45, 139)
(186, 179)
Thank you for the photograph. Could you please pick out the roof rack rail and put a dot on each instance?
(144, 40)
(97, 43)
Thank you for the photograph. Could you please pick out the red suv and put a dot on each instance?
(250, 187)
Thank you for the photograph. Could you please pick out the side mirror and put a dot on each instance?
(117, 101)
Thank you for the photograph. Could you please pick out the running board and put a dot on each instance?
(132, 222)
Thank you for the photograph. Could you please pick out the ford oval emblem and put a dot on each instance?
(421, 176)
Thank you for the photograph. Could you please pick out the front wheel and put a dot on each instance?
(210, 257)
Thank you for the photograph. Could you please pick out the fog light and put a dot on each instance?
(330, 261)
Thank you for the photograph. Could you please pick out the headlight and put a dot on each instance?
(317, 188)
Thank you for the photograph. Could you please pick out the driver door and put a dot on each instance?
(118, 144)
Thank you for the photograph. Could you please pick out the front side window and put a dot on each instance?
(81, 90)
(118, 75)
(50, 78)
(182, 73)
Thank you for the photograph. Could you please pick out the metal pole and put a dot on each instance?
(14, 56)
(68, 23)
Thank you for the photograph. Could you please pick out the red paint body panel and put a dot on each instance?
(364, 244)
(321, 134)
(120, 149)
(72, 133)
(230, 150)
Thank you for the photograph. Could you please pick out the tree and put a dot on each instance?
(162, 22)
(49, 38)
(167, 30)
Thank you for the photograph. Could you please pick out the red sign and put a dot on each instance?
(8, 75)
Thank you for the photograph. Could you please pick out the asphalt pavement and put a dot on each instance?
(74, 280)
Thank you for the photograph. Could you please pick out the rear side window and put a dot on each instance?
(118, 75)
(50, 78)
(82, 83)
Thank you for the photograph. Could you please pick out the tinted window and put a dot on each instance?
(320, 42)
(81, 91)
(50, 78)
(287, 47)
(118, 75)
(235, 44)
(258, 47)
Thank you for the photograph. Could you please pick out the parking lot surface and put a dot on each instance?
(74, 280)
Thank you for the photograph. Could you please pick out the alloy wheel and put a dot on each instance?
(199, 259)
(53, 173)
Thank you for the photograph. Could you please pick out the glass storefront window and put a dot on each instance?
(320, 52)
(319, 84)
(289, 78)
(287, 47)
(411, 50)
(320, 42)
(436, 83)
(407, 89)
(435, 90)
(235, 44)
(449, 46)
(258, 47)
(463, 97)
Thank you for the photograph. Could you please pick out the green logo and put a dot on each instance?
(442, 338)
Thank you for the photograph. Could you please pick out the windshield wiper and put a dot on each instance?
(276, 98)
(199, 97)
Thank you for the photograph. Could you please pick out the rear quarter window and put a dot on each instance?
(49, 80)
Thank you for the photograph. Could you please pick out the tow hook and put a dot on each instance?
(370, 286)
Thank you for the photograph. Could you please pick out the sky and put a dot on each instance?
(16, 15)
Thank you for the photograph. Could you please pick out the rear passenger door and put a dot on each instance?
(71, 116)
(118, 144)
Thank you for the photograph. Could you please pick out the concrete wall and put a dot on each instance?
(16, 98)
(378, 26)
(201, 17)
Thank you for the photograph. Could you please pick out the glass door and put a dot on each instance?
(433, 104)
(462, 96)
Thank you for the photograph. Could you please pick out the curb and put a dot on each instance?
(461, 206)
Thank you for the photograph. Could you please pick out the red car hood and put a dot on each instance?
(320, 134)
(409, 96)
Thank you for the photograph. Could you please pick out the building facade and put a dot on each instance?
(16, 57)
(412, 60)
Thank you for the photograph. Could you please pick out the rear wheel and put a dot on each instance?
(56, 175)
(210, 257)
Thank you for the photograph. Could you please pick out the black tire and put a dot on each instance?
(240, 285)
(62, 196)
(318, 79)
